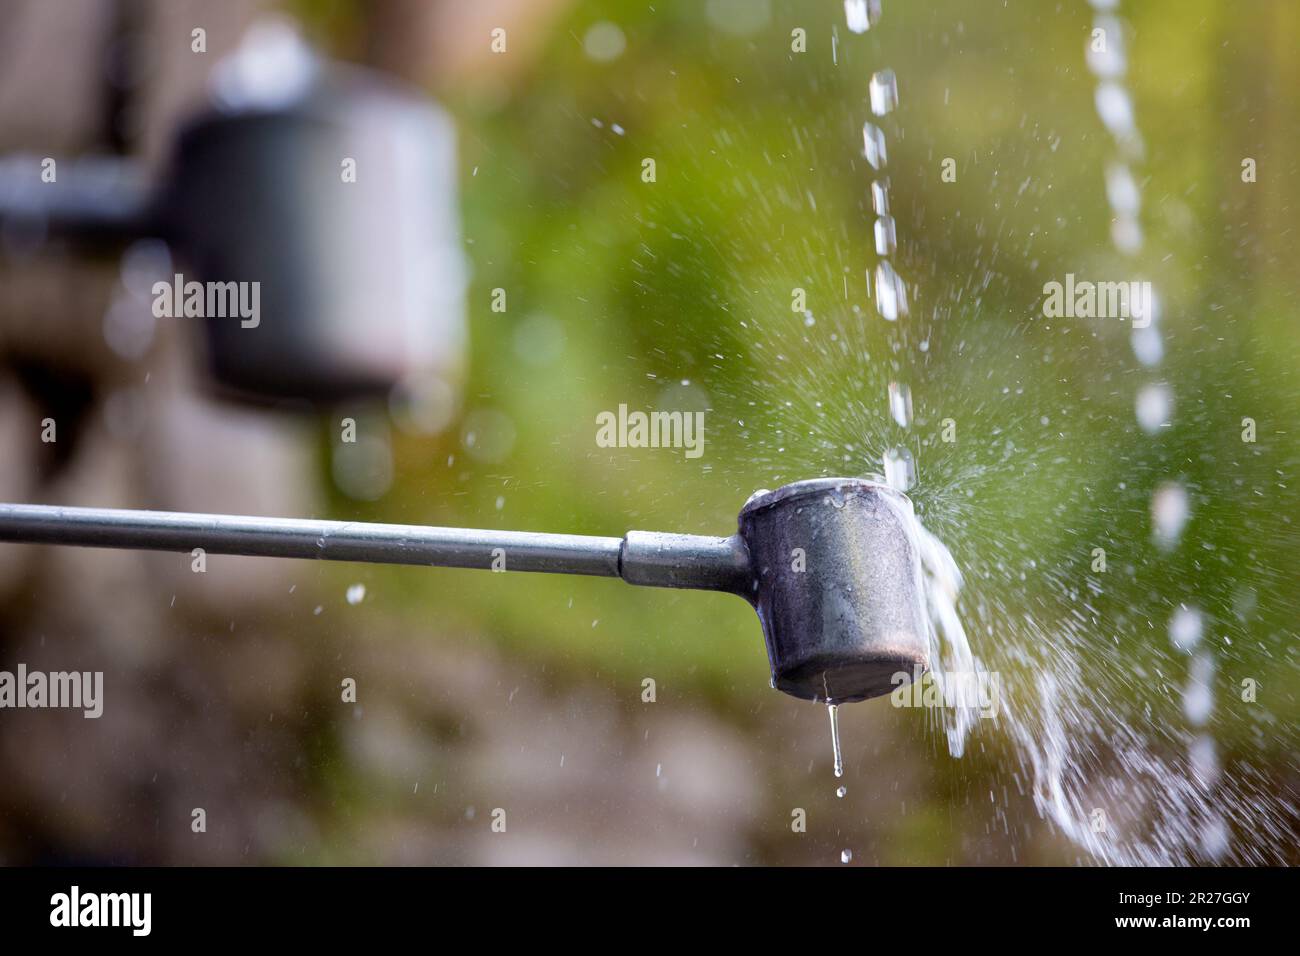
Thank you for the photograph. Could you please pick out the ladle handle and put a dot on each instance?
(646, 558)
(100, 202)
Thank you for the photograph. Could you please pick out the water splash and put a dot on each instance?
(1093, 728)
(954, 669)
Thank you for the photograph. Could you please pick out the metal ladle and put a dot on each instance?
(828, 564)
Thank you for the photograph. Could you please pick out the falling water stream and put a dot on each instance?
(955, 670)
(891, 296)
(834, 711)
(950, 652)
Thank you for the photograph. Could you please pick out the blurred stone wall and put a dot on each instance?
(134, 429)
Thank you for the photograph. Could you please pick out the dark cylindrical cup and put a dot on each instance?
(838, 588)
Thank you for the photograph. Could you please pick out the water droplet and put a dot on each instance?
(846, 856)
(1109, 61)
(861, 15)
(873, 145)
(1126, 234)
(841, 791)
(1148, 346)
(891, 293)
(604, 42)
(886, 236)
(834, 711)
(1198, 696)
(1122, 190)
(1170, 509)
(900, 469)
(900, 403)
(883, 89)
(1115, 108)
(356, 593)
(1155, 404)
(1186, 628)
(880, 197)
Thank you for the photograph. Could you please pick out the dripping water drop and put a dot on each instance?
(834, 711)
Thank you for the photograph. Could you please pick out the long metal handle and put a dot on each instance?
(100, 201)
(646, 558)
